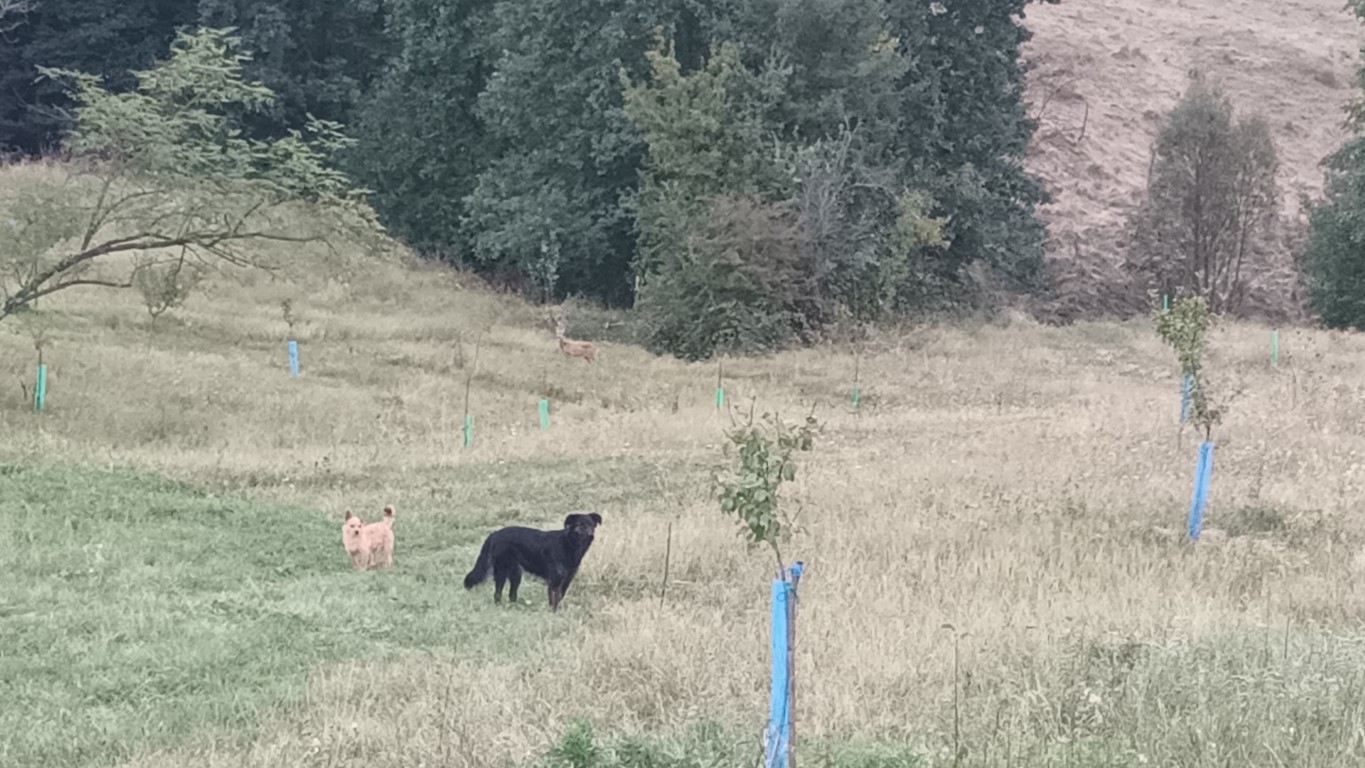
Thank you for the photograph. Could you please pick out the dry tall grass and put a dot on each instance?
(1012, 494)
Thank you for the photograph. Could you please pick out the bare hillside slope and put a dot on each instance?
(1106, 71)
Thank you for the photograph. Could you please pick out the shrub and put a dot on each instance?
(1335, 263)
(732, 287)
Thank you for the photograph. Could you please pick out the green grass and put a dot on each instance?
(707, 745)
(139, 612)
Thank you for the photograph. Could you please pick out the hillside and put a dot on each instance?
(1105, 71)
(178, 593)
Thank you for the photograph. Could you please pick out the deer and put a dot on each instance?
(584, 349)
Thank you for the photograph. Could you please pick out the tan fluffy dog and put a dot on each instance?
(368, 545)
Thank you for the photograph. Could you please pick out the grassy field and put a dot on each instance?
(996, 575)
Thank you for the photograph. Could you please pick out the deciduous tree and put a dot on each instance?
(1211, 197)
(1335, 263)
(163, 171)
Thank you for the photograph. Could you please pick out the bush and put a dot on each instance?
(732, 287)
(747, 241)
(1335, 263)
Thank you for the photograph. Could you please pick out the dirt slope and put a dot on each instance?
(1105, 71)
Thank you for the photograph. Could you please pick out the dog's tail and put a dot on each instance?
(481, 567)
(388, 515)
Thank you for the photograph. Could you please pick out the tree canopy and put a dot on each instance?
(551, 144)
(164, 171)
(1335, 258)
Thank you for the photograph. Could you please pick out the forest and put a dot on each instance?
(811, 160)
(743, 173)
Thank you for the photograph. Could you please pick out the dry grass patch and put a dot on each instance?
(1024, 485)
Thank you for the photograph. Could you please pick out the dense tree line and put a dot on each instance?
(746, 171)
(318, 56)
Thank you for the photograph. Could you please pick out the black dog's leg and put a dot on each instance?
(499, 578)
(559, 584)
(513, 582)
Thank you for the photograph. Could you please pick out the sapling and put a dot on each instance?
(467, 429)
(1184, 327)
(751, 492)
(38, 331)
(41, 332)
(457, 359)
(165, 286)
(857, 369)
(287, 311)
(665, 493)
(765, 460)
(720, 385)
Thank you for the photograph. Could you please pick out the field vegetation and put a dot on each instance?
(996, 571)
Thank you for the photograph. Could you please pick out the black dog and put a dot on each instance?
(550, 555)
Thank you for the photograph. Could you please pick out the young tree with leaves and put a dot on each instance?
(751, 493)
(1185, 328)
(164, 171)
(765, 459)
(1211, 198)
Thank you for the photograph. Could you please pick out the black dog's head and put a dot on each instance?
(582, 527)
